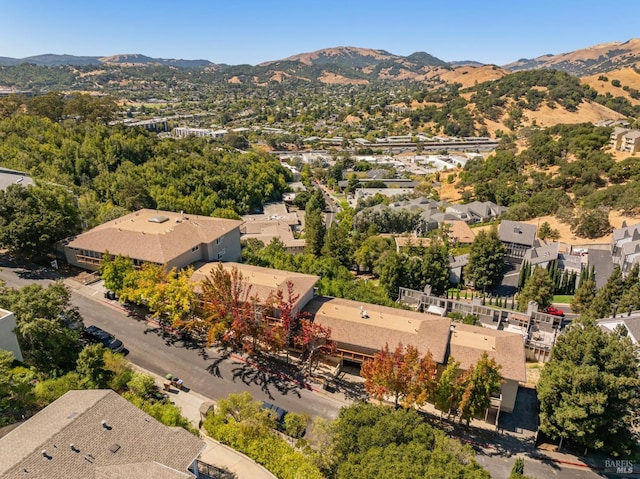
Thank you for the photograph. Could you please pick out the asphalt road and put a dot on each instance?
(211, 372)
(215, 374)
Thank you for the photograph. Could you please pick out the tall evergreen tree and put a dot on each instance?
(608, 296)
(583, 297)
(539, 288)
(314, 227)
(485, 268)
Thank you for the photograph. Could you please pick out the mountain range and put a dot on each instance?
(363, 65)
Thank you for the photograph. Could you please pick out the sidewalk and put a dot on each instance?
(214, 453)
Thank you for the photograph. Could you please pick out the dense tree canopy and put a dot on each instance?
(485, 268)
(32, 219)
(588, 390)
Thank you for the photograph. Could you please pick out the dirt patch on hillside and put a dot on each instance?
(333, 79)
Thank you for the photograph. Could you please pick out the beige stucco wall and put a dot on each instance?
(509, 392)
(8, 339)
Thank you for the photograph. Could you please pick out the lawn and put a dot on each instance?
(563, 298)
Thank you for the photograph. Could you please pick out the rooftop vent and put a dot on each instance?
(158, 219)
(115, 448)
(105, 425)
(74, 448)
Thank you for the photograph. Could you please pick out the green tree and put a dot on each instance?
(114, 270)
(582, 299)
(587, 390)
(538, 287)
(447, 392)
(50, 105)
(92, 368)
(485, 268)
(373, 441)
(607, 296)
(546, 232)
(314, 227)
(478, 384)
(592, 223)
(32, 219)
(48, 345)
(370, 251)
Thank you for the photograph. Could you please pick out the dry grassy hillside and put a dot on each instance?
(466, 75)
(626, 76)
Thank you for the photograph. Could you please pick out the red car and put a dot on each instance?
(554, 311)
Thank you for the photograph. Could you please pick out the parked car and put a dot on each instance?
(277, 411)
(96, 335)
(554, 311)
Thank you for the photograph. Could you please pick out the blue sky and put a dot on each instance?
(253, 31)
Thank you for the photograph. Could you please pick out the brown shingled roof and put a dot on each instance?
(469, 342)
(383, 325)
(134, 235)
(129, 436)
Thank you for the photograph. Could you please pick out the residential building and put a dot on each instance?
(276, 221)
(631, 141)
(517, 237)
(625, 247)
(361, 330)
(561, 254)
(476, 211)
(538, 330)
(8, 339)
(630, 320)
(615, 140)
(263, 284)
(97, 434)
(183, 132)
(468, 343)
(161, 237)
(456, 267)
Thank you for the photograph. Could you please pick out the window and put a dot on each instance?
(195, 248)
(221, 253)
(219, 240)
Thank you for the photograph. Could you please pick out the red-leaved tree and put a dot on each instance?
(315, 340)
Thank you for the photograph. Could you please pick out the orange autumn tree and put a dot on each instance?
(228, 311)
(402, 374)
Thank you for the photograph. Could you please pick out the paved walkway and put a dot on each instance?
(214, 453)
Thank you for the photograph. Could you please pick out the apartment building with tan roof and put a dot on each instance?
(263, 283)
(161, 237)
(468, 343)
(361, 330)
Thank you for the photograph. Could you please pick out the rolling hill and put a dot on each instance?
(592, 60)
